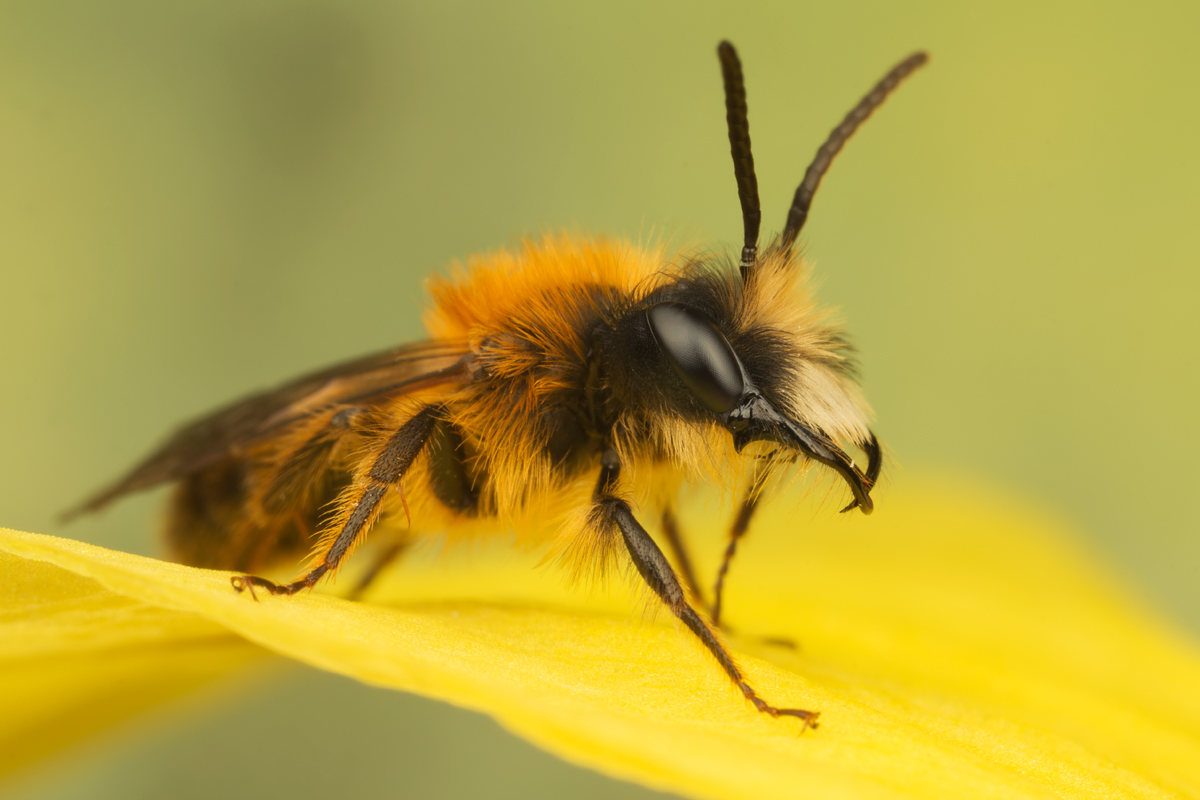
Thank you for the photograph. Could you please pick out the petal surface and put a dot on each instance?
(955, 645)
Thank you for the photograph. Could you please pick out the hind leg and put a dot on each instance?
(360, 503)
(384, 559)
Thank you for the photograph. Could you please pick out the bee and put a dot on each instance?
(564, 384)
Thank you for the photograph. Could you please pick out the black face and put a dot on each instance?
(706, 363)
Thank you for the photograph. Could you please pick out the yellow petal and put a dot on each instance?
(76, 657)
(955, 647)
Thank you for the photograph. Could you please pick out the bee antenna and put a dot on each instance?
(798, 213)
(739, 148)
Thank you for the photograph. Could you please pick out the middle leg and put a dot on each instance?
(741, 524)
(674, 537)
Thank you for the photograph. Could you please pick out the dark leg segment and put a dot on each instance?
(382, 562)
(655, 570)
(389, 467)
(675, 539)
(740, 525)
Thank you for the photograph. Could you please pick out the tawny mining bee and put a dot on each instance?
(563, 386)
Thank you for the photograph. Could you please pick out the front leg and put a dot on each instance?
(608, 510)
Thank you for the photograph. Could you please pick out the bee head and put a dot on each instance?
(744, 348)
(735, 351)
(759, 393)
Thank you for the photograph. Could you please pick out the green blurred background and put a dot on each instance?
(199, 199)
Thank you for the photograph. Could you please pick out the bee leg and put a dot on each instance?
(382, 562)
(741, 524)
(674, 538)
(670, 527)
(652, 565)
(391, 461)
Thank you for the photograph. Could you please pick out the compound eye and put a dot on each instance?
(700, 354)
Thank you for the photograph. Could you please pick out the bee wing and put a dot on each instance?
(363, 382)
